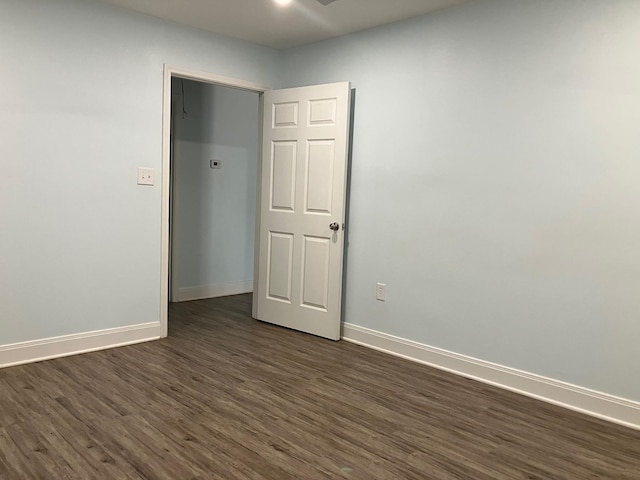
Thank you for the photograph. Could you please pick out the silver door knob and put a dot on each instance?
(334, 226)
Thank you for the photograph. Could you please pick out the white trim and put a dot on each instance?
(54, 347)
(207, 77)
(166, 191)
(173, 71)
(256, 246)
(607, 407)
(215, 290)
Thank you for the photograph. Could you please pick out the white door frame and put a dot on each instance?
(205, 77)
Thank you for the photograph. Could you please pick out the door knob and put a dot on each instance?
(334, 226)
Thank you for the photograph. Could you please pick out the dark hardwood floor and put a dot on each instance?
(226, 397)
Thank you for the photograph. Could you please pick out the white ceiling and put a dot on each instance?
(304, 21)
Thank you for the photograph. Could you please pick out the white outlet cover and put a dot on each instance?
(146, 176)
(215, 163)
(381, 292)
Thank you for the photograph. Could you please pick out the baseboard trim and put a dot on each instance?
(601, 405)
(215, 290)
(54, 347)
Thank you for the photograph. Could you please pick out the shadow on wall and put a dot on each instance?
(352, 116)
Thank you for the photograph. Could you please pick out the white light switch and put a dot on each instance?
(146, 176)
(215, 164)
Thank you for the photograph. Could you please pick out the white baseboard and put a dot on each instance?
(607, 407)
(45, 349)
(216, 290)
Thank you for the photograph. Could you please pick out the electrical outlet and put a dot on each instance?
(381, 291)
(215, 163)
(146, 176)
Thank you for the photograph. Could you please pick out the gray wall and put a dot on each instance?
(214, 210)
(496, 183)
(80, 110)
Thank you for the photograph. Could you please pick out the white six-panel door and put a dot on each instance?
(303, 189)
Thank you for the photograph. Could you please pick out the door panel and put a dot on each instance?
(319, 181)
(322, 111)
(285, 115)
(283, 182)
(315, 272)
(303, 188)
(280, 266)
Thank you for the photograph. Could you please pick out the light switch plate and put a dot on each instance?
(215, 164)
(146, 176)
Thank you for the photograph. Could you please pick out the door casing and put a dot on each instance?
(170, 72)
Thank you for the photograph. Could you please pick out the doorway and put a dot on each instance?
(215, 141)
(210, 170)
(301, 204)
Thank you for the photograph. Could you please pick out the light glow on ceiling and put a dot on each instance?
(282, 3)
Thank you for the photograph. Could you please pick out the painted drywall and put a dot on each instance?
(80, 110)
(214, 209)
(494, 187)
(496, 183)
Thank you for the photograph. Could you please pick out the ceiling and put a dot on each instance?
(302, 22)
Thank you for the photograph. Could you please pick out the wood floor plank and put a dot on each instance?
(226, 397)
